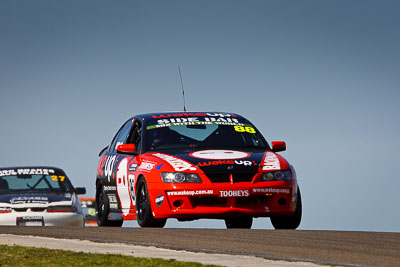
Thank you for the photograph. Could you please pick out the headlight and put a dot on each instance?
(276, 176)
(5, 210)
(180, 177)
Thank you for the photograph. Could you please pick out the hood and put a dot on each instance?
(35, 199)
(219, 164)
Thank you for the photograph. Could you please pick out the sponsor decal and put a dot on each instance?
(178, 120)
(26, 172)
(112, 198)
(185, 114)
(23, 200)
(159, 200)
(7, 172)
(187, 123)
(220, 115)
(109, 188)
(114, 205)
(234, 193)
(228, 162)
(132, 187)
(190, 193)
(271, 190)
(219, 154)
(100, 166)
(133, 167)
(30, 221)
(109, 166)
(147, 165)
(178, 164)
(31, 217)
(159, 167)
(199, 119)
(271, 162)
(191, 123)
(196, 120)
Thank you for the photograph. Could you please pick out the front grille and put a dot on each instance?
(219, 177)
(222, 201)
(38, 209)
(224, 177)
(242, 177)
(208, 201)
(20, 209)
(254, 200)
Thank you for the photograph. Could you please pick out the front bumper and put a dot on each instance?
(221, 200)
(48, 218)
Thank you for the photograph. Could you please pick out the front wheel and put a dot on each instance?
(242, 222)
(289, 222)
(103, 209)
(144, 215)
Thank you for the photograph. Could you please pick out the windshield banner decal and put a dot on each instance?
(196, 121)
(26, 172)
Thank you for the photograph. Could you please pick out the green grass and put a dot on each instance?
(28, 256)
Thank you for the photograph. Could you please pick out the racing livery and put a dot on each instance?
(38, 196)
(195, 165)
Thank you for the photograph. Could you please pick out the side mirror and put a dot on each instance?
(80, 190)
(278, 146)
(126, 149)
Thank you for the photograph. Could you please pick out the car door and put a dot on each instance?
(125, 168)
(112, 172)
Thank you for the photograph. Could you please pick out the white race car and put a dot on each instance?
(39, 196)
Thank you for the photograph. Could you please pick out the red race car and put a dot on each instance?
(195, 165)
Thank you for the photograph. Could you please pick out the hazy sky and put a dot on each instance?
(323, 76)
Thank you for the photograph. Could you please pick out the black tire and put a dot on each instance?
(144, 215)
(242, 222)
(289, 222)
(103, 209)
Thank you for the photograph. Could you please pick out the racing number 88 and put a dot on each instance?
(242, 129)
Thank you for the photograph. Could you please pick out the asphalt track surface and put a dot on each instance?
(321, 247)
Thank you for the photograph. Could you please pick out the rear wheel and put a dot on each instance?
(289, 222)
(243, 222)
(144, 215)
(103, 209)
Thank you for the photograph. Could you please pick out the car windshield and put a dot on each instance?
(202, 133)
(35, 183)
